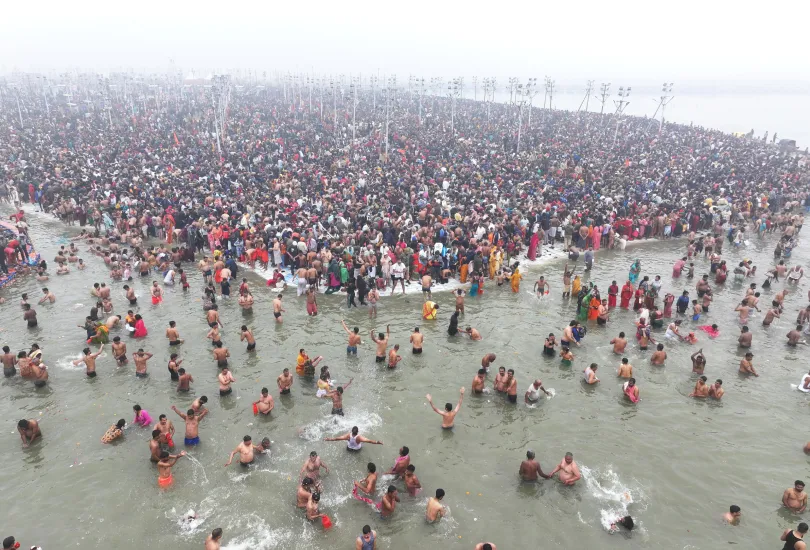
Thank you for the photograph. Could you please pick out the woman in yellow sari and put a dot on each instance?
(576, 285)
(515, 280)
(493, 262)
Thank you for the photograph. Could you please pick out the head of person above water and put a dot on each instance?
(569, 457)
(403, 451)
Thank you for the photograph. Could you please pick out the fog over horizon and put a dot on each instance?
(698, 45)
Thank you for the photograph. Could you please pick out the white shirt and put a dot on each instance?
(534, 393)
(398, 269)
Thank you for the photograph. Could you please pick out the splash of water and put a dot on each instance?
(335, 424)
(612, 494)
(201, 468)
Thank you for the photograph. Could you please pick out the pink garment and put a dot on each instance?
(597, 237)
(356, 495)
(143, 419)
(628, 391)
(533, 247)
(709, 330)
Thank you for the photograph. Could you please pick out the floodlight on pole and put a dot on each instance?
(475, 88)
(586, 99)
(621, 105)
(453, 92)
(390, 88)
(605, 94)
(420, 92)
(666, 90)
(530, 90)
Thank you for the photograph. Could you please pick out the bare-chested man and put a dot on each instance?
(530, 469)
(277, 309)
(89, 361)
(192, 419)
(459, 301)
(212, 541)
(382, 343)
(9, 360)
(337, 397)
(354, 339)
(449, 413)
(487, 360)
(794, 498)
(304, 492)
(173, 335)
(625, 369)
(141, 357)
(29, 431)
(794, 337)
(427, 281)
(221, 354)
(771, 314)
(265, 403)
(389, 502)
(284, 382)
(698, 361)
(619, 343)
(747, 366)
(247, 334)
(225, 379)
(701, 388)
(435, 508)
(416, 340)
(369, 484)
(245, 450)
(312, 470)
(478, 381)
(500, 380)
(166, 429)
(744, 341)
(568, 470)
(659, 356)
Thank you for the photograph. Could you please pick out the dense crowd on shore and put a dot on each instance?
(289, 188)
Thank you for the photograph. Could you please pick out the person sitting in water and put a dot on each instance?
(626, 522)
(114, 432)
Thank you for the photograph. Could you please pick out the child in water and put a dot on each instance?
(626, 522)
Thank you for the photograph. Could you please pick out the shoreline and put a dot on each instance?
(548, 255)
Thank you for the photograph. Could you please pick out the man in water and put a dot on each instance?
(165, 467)
(312, 469)
(746, 336)
(716, 390)
(393, 357)
(277, 309)
(284, 382)
(265, 403)
(366, 541)
(220, 355)
(500, 380)
(698, 361)
(303, 493)
(312, 507)
(732, 517)
(435, 508)
(416, 340)
(487, 360)
(141, 357)
(354, 339)
(212, 541)
(166, 429)
(619, 343)
(173, 335)
(368, 485)
(794, 337)
(793, 538)
(389, 502)
(590, 374)
(154, 446)
(449, 413)
(225, 380)
(247, 334)
(794, 498)
(245, 450)
(746, 366)
(532, 394)
(192, 425)
(29, 431)
(382, 343)
(337, 397)
(89, 361)
(701, 389)
(530, 469)
(568, 469)
(478, 381)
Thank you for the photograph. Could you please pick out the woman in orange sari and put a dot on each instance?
(168, 225)
(515, 280)
(463, 272)
(593, 307)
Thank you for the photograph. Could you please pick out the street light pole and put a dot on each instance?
(621, 104)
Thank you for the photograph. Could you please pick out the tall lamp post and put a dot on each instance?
(621, 105)
(453, 92)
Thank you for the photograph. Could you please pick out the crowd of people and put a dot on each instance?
(287, 190)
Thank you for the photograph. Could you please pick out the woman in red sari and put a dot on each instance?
(627, 293)
(613, 291)
(535, 240)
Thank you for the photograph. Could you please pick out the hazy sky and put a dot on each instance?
(655, 41)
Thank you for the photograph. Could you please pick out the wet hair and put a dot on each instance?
(411, 468)
(181, 370)
(164, 454)
(371, 467)
(316, 497)
(121, 423)
(306, 481)
(594, 366)
(156, 433)
(172, 324)
(733, 508)
(9, 542)
(703, 378)
(482, 371)
(802, 528)
(624, 360)
(511, 371)
(627, 523)
(203, 399)
(448, 407)
(136, 408)
(439, 494)
(161, 417)
(404, 451)
(621, 335)
(22, 423)
(216, 533)
(7, 349)
(487, 546)
(355, 430)
(530, 454)
(799, 482)
(246, 438)
(391, 489)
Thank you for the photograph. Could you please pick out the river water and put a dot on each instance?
(681, 462)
